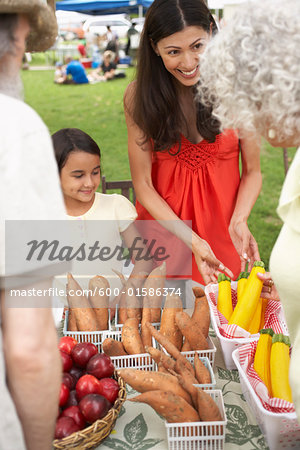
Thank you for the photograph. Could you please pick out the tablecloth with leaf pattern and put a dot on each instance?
(139, 427)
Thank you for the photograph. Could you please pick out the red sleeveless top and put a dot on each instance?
(200, 183)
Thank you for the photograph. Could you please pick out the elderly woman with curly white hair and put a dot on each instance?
(250, 73)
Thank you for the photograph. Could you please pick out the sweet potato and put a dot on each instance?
(120, 300)
(162, 360)
(186, 346)
(168, 326)
(191, 331)
(98, 298)
(155, 284)
(72, 320)
(146, 317)
(133, 303)
(167, 362)
(181, 368)
(122, 310)
(161, 368)
(144, 381)
(201, 314)
(84, 314)
(111, 347)
(131, 338)
(169, 347)
(121, 276)
(201, 371)
(172, 407)
(154, 353)
(206, 406)
(198, 291)
(188, 387)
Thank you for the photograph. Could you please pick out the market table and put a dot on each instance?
(139, 427)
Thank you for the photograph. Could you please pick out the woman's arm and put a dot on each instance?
(249, 189)
(140, 159)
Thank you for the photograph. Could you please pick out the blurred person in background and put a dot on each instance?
(132, 39)
(112, 44)
(60, 72)
(250, 74)
(75, 72)
(30, 363)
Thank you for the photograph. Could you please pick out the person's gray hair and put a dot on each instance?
(250, 72)
(8, 24)
(10, 80)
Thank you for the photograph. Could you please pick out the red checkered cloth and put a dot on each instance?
(273, 316)
(246, 357)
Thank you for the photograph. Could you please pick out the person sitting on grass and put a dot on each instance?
(108, 67)
(107, 70)
(75, 73)
(59, 73)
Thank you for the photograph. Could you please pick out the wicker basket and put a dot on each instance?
(92, 436)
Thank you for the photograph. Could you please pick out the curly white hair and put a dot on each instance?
(250, 72)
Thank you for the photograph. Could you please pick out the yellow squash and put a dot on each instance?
(254, 326)
(279, 366)
(241, 283)
(224, 303)
(247, 304)
(262, 357)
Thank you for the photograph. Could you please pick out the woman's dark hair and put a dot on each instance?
(155, 107)
(68, 140)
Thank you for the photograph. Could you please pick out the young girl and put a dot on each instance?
(78, 159)
(182, 167)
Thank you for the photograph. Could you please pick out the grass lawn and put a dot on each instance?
(98, 110)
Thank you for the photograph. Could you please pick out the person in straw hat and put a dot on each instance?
(30, 364)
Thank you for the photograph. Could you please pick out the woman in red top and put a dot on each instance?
(182, 168)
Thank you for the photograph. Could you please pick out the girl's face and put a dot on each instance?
(80, 178)
(180, 53)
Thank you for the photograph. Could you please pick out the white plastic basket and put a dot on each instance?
(199, 435)
(228, 345)
(209, 353)
(281, 430)
(96, 337)
(140, 361)
(207, 364)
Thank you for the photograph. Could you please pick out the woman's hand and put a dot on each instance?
(269, 289)
(244, 243)
(209, 266)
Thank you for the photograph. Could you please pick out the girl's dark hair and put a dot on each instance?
(155, 106)
(68, 140)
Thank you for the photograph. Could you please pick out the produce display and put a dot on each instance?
(171, 391)
(184, 332)
(88, 390)
(248, 313)
(150, 332)
(87, 314)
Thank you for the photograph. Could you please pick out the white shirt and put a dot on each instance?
(29, 182)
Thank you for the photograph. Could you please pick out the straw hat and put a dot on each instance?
(41, 15)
